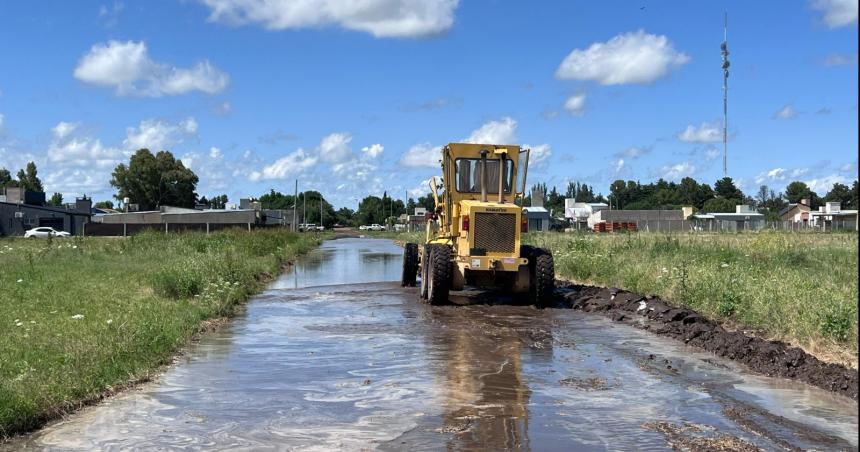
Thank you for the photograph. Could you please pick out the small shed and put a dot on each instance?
(538, 218)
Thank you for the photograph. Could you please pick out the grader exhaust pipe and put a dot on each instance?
(484, 153)
(502, 158)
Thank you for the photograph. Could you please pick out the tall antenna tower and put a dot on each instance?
(724, 47)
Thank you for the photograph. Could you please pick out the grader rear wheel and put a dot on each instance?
(425, 279)
(541, 275)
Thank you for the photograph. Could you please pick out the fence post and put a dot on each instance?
(165, 227)
(207, 228)
(249, 227)
(124, 229)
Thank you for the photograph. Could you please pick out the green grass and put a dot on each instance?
(798, 287)
(82, 316)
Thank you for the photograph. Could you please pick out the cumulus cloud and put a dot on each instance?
(704, 133)
(780, 175)
(677, 171)
(502, 131)
(575, 104)
(65, 149)
(824, 184)
(286, 166)
(157, 135)
(629, 58)
(786, 112)
(633, 152)
(373, 151)
(335, 147)
(422, 155)
(539, 155)
(127, 67)
(380, 18)
(837, 13)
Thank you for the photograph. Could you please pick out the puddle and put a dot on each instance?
(335, 355)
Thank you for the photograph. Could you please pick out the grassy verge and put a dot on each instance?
(796, 287)
(81, 317)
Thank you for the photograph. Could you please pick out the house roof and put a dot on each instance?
(787, 209)
(535, 209)
(48, 209)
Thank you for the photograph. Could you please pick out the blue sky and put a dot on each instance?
(353, 99)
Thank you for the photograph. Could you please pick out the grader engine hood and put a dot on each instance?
(490, 235)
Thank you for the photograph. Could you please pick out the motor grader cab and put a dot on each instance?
(473, 234)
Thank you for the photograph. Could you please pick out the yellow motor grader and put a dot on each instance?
(473, 234)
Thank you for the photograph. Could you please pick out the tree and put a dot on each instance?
(104, 205)
(218, 202)
(5, 178)
(370, 211)
(855, 190)
(28, 178)
(427, 202)
(56, 200)
(152, 181)
(276, 200)
(797, 191)
(720, 205)
(345, 216)
(840, 193)
(726, 188)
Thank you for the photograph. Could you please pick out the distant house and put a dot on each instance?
(831, 215)
(645, 220)
(796, 212)
(744, 218)
(538, 218)
(579, 213)
(22, 210)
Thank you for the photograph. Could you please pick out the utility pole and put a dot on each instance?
(724, 48)
(304, 208)
(296, 207)
(321, 209)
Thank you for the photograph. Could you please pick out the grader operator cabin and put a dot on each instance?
(473, 234)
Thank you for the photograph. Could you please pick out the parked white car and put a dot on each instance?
(45, 232)
(376, 227)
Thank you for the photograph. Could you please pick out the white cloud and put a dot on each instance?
(285, 167)
(380, 18)
(127, 67)
(494, 132)
(712, 153)
(786, 112)
(539, 155)
(704, 133)
(677, 171)
(223, 108)
(422, 155)
(780, 175)
(822, 185)
(214, 152)
(629, 58)
(373, 151)
(422, 189)
(63, 129)
(835, 59)
(2, 118)
(618, 165)
(633, 152)
(80, 151)
(335, 147)
(837, 13)
(575, 104)
(157, 135)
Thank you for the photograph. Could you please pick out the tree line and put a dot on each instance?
(154, 180)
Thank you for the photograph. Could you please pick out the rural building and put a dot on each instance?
(796, 212)
(745, 218)
(579, 213)
(831, 216)
(538, 218)
(21, 210)
(414, 222)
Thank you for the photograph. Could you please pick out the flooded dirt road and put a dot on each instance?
(335, 355)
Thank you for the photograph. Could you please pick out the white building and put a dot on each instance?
(581, 214)
(831, 215)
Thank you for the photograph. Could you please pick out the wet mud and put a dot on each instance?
(337, 356)
(771, 358)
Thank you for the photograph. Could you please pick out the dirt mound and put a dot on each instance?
(771, 358)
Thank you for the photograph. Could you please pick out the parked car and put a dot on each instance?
(320, 228)
(45, 232)
(364, 227)
(376, 227)
(307, 227)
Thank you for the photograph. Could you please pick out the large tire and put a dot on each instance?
(425, 278)
(439, 270)
(541, 275)
(410, 265)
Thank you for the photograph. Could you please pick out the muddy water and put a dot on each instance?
(335, 355)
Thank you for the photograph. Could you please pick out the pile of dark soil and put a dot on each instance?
(771, 358)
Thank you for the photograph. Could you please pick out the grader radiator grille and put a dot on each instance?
(495, 232)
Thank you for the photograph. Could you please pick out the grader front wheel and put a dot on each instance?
(410, 265)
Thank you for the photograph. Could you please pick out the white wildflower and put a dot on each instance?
(724, 265)
(20, 280)
(75, 247)
(78, 316)
(19, 324)
(109, 321)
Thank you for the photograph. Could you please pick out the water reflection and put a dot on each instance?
(480, 382)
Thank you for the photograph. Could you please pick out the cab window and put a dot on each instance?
(468, 175)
